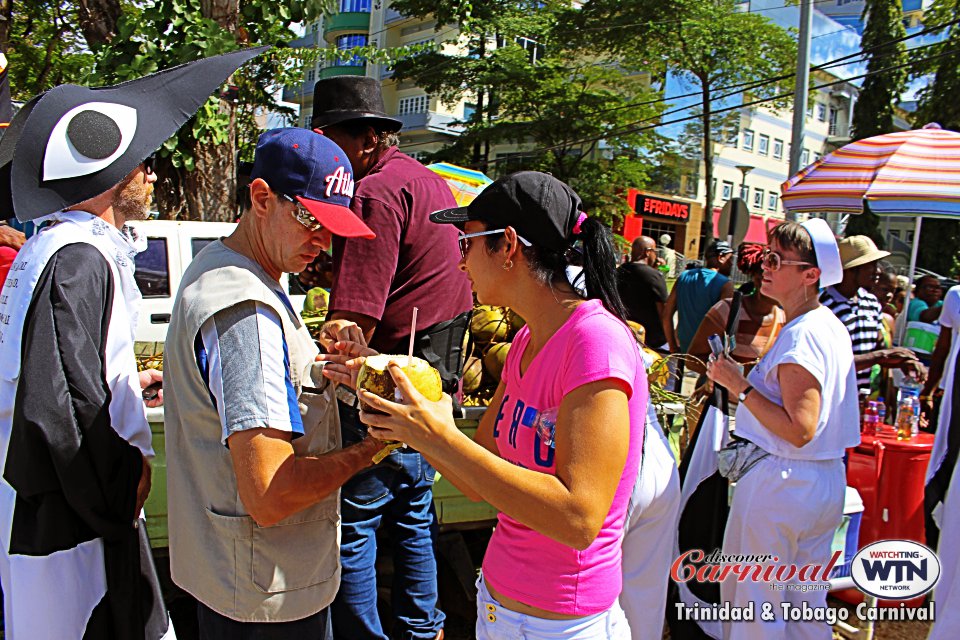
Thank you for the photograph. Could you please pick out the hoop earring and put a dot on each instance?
(508, 265)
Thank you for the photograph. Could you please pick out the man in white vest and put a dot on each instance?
(74, 439)
(254, 457)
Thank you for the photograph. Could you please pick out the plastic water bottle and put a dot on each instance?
(907, 417)
(909, 387)
(881, 413)
(870, 418)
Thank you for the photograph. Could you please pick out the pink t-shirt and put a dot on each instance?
(528, 566)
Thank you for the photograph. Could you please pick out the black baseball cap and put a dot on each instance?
(719, 248)
(311, 168)
(542, 209)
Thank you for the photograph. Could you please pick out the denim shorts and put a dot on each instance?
(494, 622)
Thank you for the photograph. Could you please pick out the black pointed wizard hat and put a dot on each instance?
(73, 143)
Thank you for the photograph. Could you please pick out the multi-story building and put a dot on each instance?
(428, 123)
(751, 163)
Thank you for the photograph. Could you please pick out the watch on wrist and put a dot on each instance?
(743, 394)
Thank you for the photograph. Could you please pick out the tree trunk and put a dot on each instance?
(98, 20)
(225, 13)
(6, 22)
(210, 189)
(707, 225)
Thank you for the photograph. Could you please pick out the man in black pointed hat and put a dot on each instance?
(74, 557)
(377, 284)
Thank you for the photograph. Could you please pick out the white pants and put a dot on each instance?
(497, 623)
(789, 509)
(648, 539)
(947, 593)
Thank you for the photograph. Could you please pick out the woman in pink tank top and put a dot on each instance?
(557, 452)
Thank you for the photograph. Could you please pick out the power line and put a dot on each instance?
(736, 89)
(633, 128)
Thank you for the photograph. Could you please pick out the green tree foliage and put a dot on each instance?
(939, 103)
(536, 84)
(873, 113)
(874, 110)
(711, 44)
(43, 45)
(938, 100)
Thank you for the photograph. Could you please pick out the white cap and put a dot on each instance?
(826, 250)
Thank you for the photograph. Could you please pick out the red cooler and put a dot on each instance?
(889, 474)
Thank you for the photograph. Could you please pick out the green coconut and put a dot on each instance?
(472, 375)
(317, 299)
(516, 322)
(375, 377)
(495, 358)
(488, 324)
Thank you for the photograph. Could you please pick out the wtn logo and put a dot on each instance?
(895, 569)
(902, 570)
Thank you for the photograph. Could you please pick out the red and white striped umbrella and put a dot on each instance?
(907, 173)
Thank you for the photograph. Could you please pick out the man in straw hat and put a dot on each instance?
(377, 284)
(861, 313)
(74, 558)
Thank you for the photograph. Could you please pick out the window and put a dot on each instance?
(816, 156)
(413, 104)
(810, 111)
(469, 109)
(535, 50)
(833, 121)
(744, 193)
(748, 139)
(311, 75)
(763, 144)
(821, 112)
(152, 270)
(772, 200)
(197, 245)
(908, 237)
(758, 199)
(349, 41)
(419, 156)
(354, 6)
(777, 149)
(805, 157)
(727, 190)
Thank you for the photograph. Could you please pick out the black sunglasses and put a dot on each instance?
(148, 164)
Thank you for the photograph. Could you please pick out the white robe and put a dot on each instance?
(74, 579)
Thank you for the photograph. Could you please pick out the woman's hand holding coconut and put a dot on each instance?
(417, 421)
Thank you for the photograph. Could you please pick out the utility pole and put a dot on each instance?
(800, 90)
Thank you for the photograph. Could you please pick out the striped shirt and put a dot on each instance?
(242, 356)
(862, 316)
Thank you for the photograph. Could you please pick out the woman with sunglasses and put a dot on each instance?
(557, 453)
(798, 413)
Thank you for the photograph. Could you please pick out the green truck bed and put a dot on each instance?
(454, 510)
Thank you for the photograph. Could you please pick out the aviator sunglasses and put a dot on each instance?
(464, 239)
(772, 261)
(301, 215)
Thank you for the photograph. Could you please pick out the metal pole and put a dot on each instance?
(800, 90)
(913, 266)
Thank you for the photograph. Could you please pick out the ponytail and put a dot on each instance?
(596, 253)
(600, 266)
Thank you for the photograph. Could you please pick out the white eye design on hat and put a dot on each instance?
(88, 138)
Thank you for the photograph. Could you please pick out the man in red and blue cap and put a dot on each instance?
(253, 443)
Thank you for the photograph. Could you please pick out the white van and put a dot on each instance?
(171, 246)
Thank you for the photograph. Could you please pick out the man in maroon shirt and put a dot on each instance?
(411, 263)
